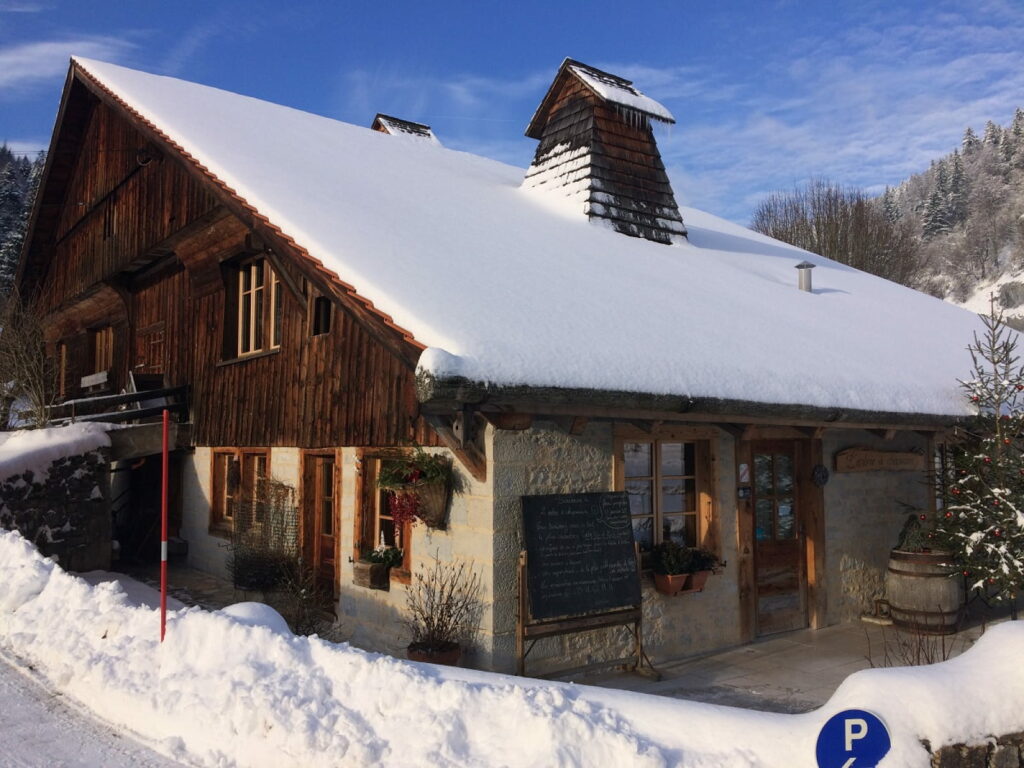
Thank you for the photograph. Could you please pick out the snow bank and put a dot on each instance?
(221, 693)
(37, 449)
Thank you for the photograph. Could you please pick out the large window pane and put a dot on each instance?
(639, 494)
(787, 520)
(643, 532)
(783, 473)
(327, 517)
(674, 529)
(673, 459)
(763, 484)
(673, 498)
(637, 459)
(764, 520)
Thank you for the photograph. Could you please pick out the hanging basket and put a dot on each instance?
(433, 505)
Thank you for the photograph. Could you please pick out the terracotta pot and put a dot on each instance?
(371, 575)
(670, 583)
(448, 655)
(697, 580)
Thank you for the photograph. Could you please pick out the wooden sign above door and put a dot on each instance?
(869, 460)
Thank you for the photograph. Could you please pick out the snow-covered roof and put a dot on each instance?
(513, 286)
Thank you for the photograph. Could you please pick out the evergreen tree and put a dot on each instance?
(890, 207)
(936, 215)
(957, 197)
(1017, 127)
(18, 181)
(970, 142)
(993, 134)
(982, 521)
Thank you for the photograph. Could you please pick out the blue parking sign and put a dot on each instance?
(852, 739)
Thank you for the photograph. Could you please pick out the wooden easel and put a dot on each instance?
(528, 632)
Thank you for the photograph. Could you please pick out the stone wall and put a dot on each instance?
(374, 619)
(1003, 752)
(863, 518)
(66, 514)
(544, 459)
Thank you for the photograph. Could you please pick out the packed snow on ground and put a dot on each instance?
(135, 591)
(220, 692)
(37, 449)
(508, 288)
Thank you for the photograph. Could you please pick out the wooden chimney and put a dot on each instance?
(597, 146)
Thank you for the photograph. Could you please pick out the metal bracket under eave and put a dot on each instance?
(469, 454)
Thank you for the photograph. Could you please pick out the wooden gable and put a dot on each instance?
(130, 232)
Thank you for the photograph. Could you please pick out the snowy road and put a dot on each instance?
(39, 728)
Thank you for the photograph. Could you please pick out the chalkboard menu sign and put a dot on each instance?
(580, 554)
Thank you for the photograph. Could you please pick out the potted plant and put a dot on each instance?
(702, 564)
(443, 612)
(671, 565)
(417, 487)
(372, 569)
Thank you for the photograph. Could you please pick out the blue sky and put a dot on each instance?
(766, 94)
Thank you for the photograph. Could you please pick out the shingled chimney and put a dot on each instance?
(597, 146)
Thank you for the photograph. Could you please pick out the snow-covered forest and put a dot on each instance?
(19, 177)
(955, 230)
(967, 212)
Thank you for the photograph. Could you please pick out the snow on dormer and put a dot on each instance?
(395, 126)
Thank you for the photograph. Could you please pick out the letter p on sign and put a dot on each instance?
(856, 728)
(852, 739)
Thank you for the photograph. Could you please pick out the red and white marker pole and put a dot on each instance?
(163, 528)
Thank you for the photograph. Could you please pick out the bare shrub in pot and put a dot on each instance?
(443, 611)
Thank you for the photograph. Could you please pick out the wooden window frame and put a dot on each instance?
(703, 438)
(101, 348)
(256, 311)
(223, 495)
(369, 500)
(322, 316)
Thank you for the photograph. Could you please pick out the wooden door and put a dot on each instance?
(320, 517)
(780, 572)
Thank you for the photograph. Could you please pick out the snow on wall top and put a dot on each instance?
(510, 287)
(34, 450)
(619, 91)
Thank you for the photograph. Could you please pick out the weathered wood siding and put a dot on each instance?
(609, 159)
(116, 210)
(121, 258)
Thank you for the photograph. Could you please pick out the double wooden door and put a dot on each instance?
(780, 568)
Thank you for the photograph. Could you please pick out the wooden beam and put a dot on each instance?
(509, 420)
(471, 457)
(885, 434)
(579, 423)
(286, 277)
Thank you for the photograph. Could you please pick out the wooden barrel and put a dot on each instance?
(924, 593)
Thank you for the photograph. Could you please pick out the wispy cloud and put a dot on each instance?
(867, 109)
(28, 64)
(22, 6)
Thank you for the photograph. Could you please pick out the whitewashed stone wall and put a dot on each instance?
(863, 519)
(374, 618)
(544, 459)
(205, 552)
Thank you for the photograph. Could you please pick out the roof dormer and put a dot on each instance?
(597, 146)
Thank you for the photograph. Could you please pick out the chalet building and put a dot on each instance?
(567, 329)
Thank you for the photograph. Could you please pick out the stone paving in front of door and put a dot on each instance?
(793, 672)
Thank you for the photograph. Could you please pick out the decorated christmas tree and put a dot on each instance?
(982, 485)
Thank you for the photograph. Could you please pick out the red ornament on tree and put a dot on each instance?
(923, 517)
(949, 514)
